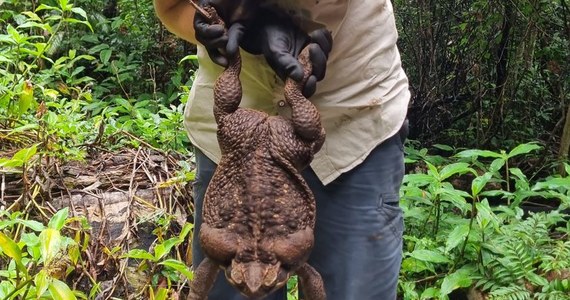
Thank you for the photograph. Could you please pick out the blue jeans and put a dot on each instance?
(358, 231)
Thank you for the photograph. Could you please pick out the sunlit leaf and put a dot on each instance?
(26, 99)
(191, 57)
(24, 155)
(42, 282)
(139, 254)
(58, 219)
(178, 266)
(50, 242)
(10, 248)
(60, 291)
(161, 294)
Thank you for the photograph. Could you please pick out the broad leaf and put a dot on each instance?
(105, 55)
(459, 279)
(429, 256)
(42, 282)
(523, 149)
(475, 153)
(50, 242)
(10, 248)
(479, 183)
(24, 155)
(178, 266)
(139, 254)
(457, 236)
(497, 164)
(452, 169)
(60, 291)
(58, 220)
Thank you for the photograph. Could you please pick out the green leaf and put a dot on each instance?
(60, 291)
(497, 164)
(10, 248)
(432, 170)
(161, 294)
(105, 55)
(485, 215)
(191, 57)
(178, 266)
(58, 220)
(458, 279)
(164, 248)
(32, 224)
(443, 147)
(50, 241)
(185, 230)
(456, 236)
(24, 155)
(553, 183)
(429, 256)
(523, 149)
(455, 168)
(139, 254)
(430, 293)
(80, 12)
(42, 282)
(43, 7)
(479, 183)
(419, 179)
(473, 153)
(63, 4)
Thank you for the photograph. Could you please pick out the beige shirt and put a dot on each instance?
(362, 100)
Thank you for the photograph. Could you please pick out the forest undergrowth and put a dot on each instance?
(96, 168)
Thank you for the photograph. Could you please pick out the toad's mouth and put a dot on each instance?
(257, 279)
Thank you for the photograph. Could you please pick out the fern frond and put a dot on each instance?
(512, 292)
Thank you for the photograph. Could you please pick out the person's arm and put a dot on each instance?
(178, 17)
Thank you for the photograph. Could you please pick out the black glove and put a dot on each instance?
(274, 35)
(214, 37)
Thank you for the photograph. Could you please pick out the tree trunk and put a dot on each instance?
(564, 143)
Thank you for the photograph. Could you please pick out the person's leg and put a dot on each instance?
(358, 233)
(222, 290)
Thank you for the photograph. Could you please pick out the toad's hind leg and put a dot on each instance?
(228, 90)
(311, 283)
(304, 115)
(204, 277)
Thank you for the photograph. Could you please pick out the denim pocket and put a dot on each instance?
(389, 208)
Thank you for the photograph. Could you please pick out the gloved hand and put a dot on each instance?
(274, 35)
(214, 37)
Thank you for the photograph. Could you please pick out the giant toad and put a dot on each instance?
(259, 213)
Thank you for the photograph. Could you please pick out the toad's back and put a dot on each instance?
(260, 192)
